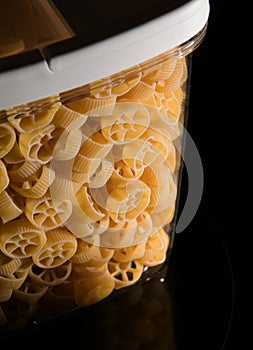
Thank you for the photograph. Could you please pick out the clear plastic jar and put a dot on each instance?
(89, 187)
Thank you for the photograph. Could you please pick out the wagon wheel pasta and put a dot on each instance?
(92, 289)
(29, 292)
(36, 185)
(7, 138)
(60, 246)
(92, 106)
(8, 265)
(4, 177)
(30, 121)
(128, 121)
(125, 273)
(8, 208)
(20, 239)
(22, 171)
(50, 277)
(46, 212)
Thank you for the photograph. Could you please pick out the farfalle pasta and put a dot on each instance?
(88, 191)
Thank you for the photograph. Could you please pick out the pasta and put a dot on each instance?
(7, 138)
(88, 191)
(4, 177)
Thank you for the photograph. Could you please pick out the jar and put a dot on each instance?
(91, 134)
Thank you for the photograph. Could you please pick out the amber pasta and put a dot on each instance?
(88, 191)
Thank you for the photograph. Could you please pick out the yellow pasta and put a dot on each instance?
(125, 204)
(14, 156)
(163, 72)
(50, 277)
(90, 290)
(8, 208)
(5, 295)
(118, 235)
(60, 246)
(152, 147)
(92, 106)
(133, 252)
(29, 292)
(128, 121)
(67, 145)
(37, 184)
(13, 281)
(8, 265)
(4, 178)
(85, 252)
(101, 175)
(67, 118)
(47, 213)
(175, 80)
(28, 122)
(19, 239)
(140, 92)
(7, 138)
(125, 273)
(22, 171)
(156, 248)
(95, 146)
(108, 89)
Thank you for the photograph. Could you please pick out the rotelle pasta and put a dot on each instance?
(88, 190)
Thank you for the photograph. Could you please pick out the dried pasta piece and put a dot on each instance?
(36, 185)
(20, 239)
(8, 208)
(22, 171)
(121, 175)
(7, 138)
(175, 80)
(28, 122)
(68, 145)
(83, 167)
(140, 92)
(144, 227)
(163, 72)
(108, 89)
(128, 121)
(118, 235)
(29, 292)
(85, 252)
(130, 253)
(126, 203)
(101, 175)
(156, 249)
(163, 188)
(93, 106)
(14, 156)
(101, 258)
(50, 277)
(57, 299)
(13, 280)
(3, 177)
(60, 246)
(38, 145)
(5, 295)
(85, 211)
(68, 118)
(125, 273)
(91, 290)
(8, 265)
(169, 104)
(95, 146)
(152, 147)
(47, 213)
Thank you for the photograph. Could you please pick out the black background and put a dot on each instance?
(217, 124)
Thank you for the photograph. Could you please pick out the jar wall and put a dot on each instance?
(89, 188)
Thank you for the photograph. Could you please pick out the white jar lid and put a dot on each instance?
(40, 73)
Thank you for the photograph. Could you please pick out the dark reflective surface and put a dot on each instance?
(186, 304)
